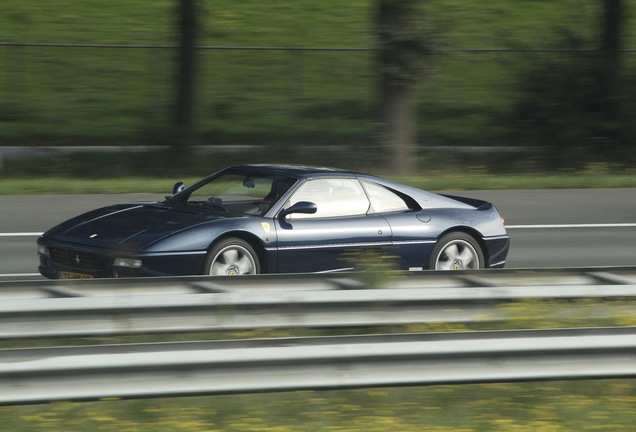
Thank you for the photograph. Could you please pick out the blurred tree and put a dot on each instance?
(185, 77)
(572, 102)
(609, 72)
(402, 49)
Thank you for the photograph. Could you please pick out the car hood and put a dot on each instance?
(131, 226)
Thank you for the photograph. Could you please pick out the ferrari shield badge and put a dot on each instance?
(266, 226)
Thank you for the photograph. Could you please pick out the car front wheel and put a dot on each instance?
(457, 251)
(232, 257)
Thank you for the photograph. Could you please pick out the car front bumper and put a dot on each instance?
(69, 261)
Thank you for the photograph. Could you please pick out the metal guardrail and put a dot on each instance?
(137, 371)
(127, 306)
(170, 305)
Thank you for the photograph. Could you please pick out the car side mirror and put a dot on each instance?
(178, 187)
(304, 207)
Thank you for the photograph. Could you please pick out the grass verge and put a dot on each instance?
(437, 181)
(558, 406)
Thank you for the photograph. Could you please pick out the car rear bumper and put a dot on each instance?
(497, 250)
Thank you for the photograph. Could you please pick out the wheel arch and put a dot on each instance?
(252, 240)
(476, 235)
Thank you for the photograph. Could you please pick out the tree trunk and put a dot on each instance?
(395, 39)
(186, 70)
(397, 127)
(609, 92)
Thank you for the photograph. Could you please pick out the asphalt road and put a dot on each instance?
(548, 228)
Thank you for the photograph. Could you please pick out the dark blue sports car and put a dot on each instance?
(250, 219)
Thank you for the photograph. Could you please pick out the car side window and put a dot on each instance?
(333, 197)
(384, 200)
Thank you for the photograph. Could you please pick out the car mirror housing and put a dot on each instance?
(304, 207)
(178, 187)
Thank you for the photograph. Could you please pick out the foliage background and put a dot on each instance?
(309, 104)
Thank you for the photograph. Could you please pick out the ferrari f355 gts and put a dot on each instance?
(250, 219)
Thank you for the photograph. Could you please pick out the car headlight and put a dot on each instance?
(127, 262)
(43, 250)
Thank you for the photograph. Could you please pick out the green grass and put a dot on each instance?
(95, 173)
(156, 172)
(572, 406)
(439, 181)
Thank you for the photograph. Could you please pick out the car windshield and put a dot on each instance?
(249, 194)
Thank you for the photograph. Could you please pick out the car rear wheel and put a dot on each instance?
(232, 257)
(457, 251)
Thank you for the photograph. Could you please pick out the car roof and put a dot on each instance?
(293, 170)
(424, 198)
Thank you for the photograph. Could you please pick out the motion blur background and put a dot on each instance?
(176, 88)
(383, 85)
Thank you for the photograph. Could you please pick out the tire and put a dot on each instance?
(232, 257)
(457, 251)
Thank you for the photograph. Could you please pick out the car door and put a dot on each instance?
(341, 235)
(412, 234)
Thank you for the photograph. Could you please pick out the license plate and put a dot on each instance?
(71, 275)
